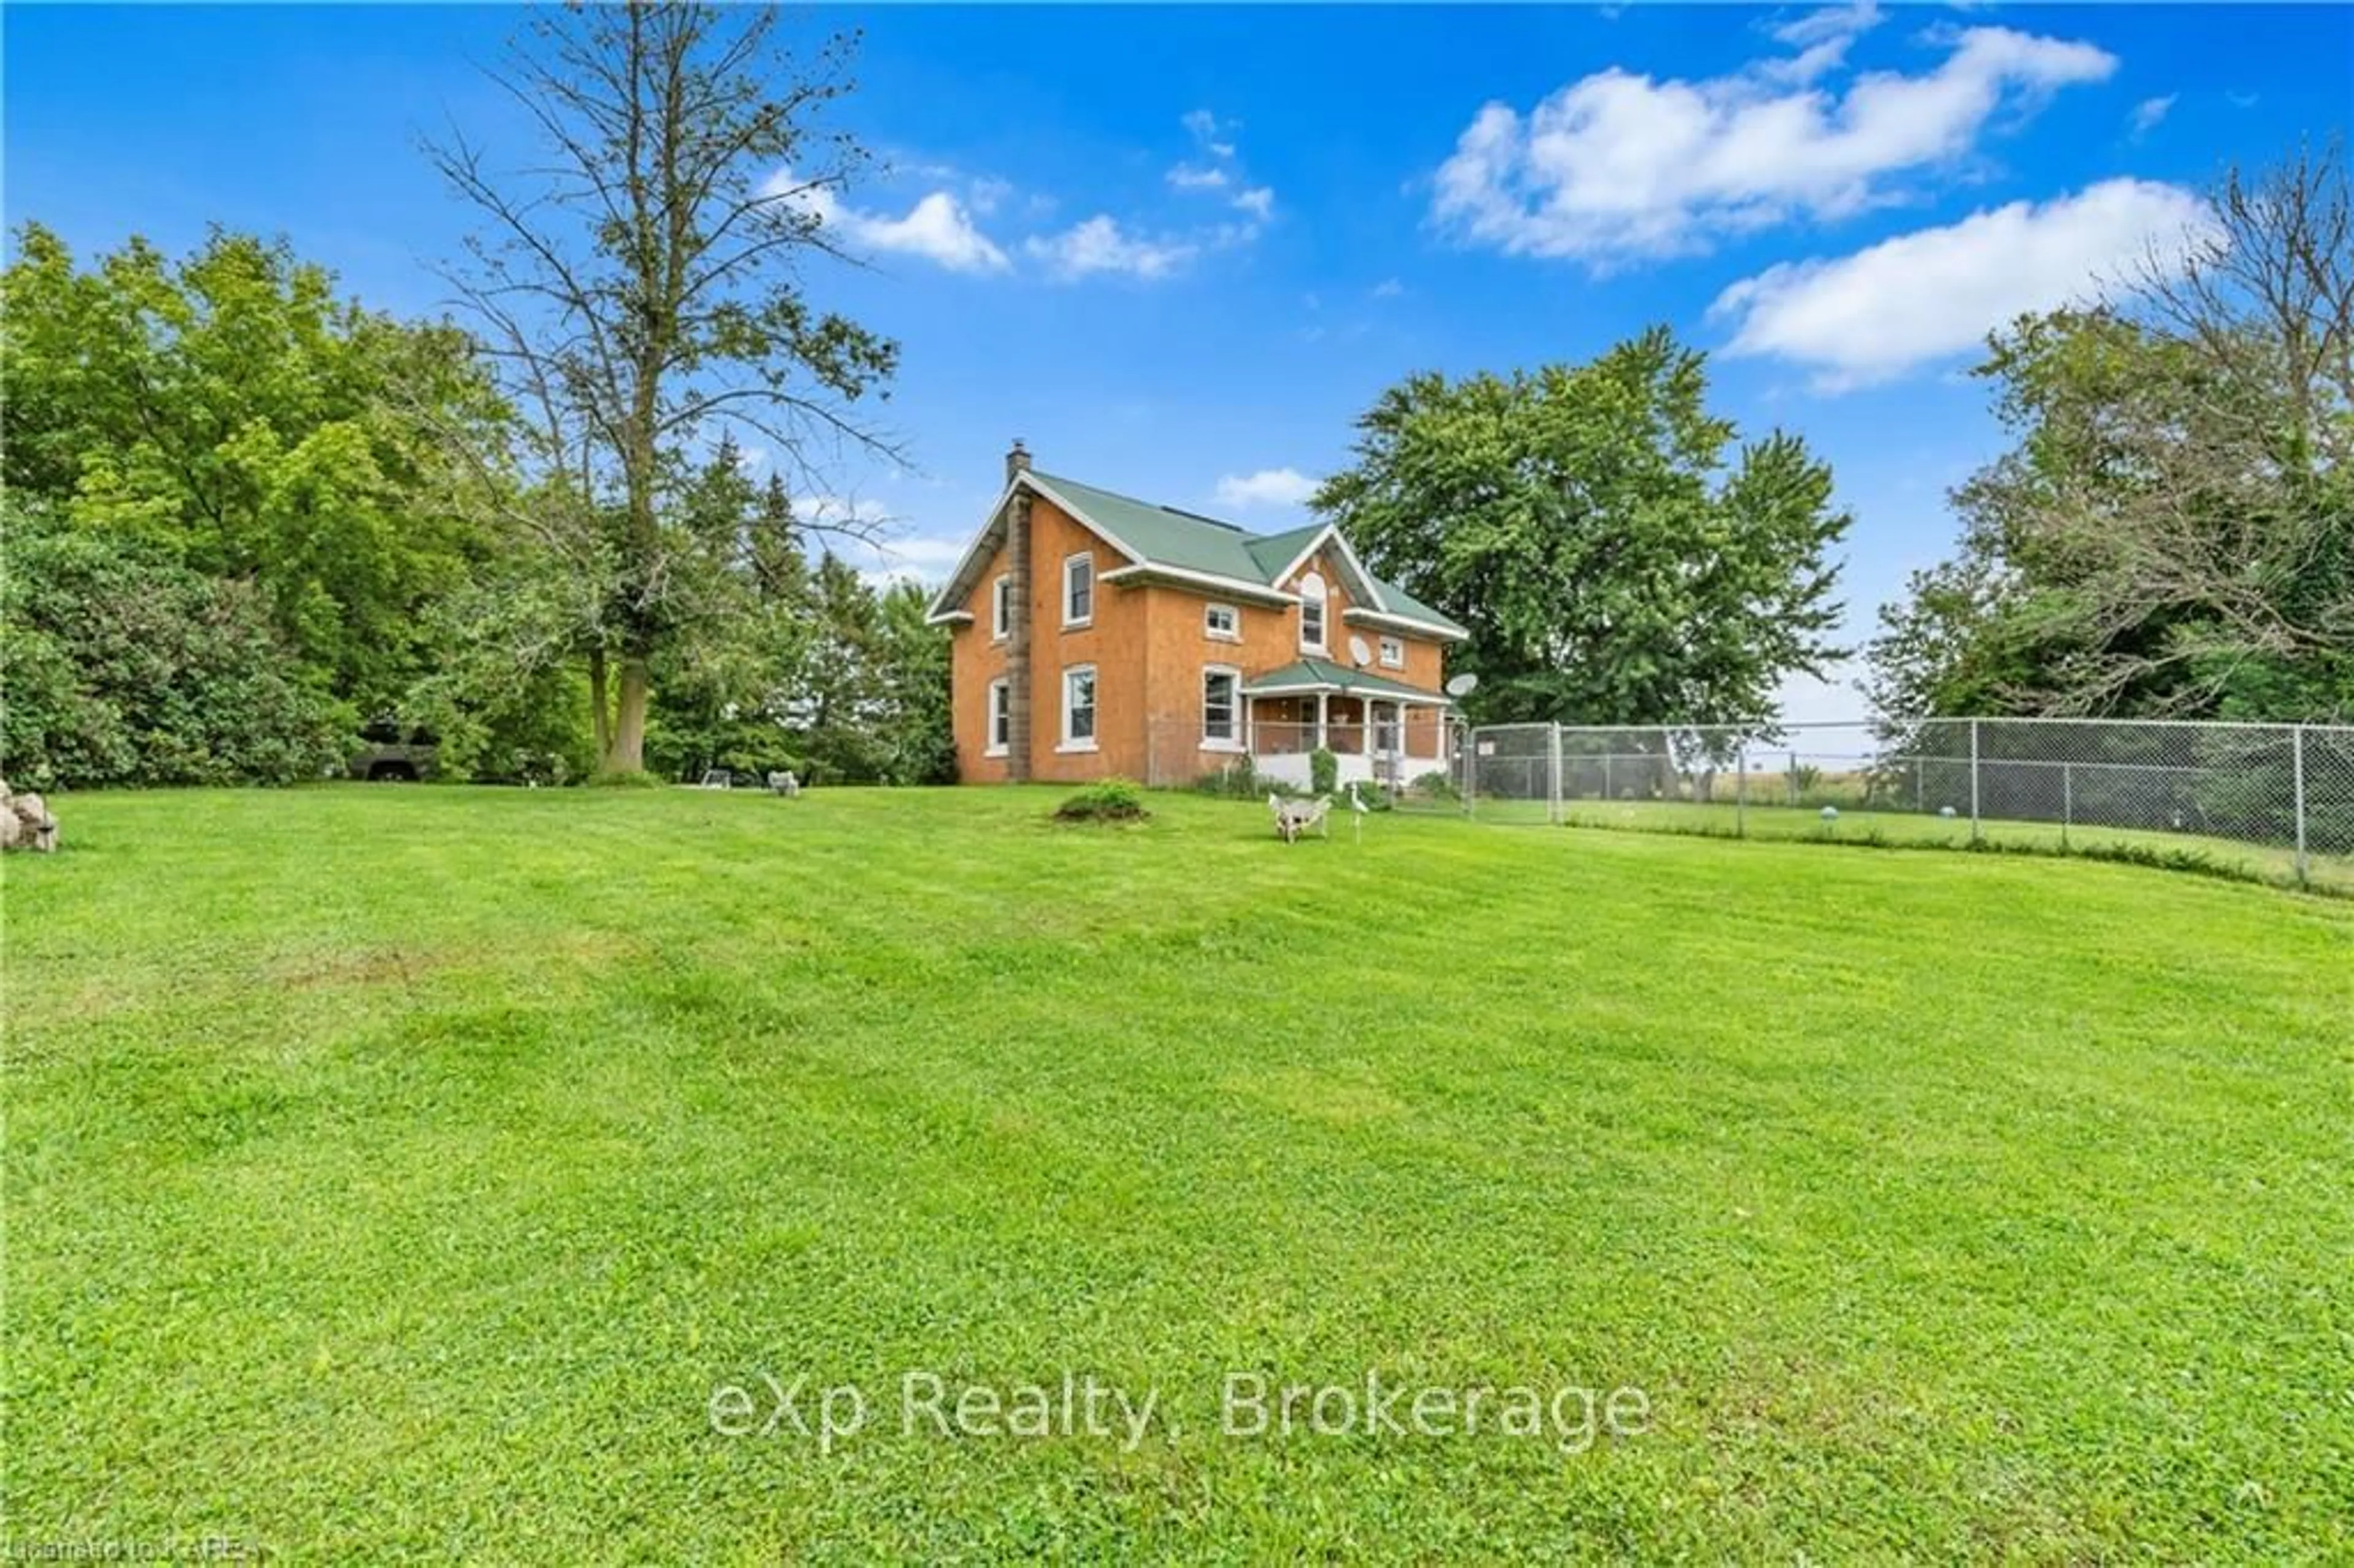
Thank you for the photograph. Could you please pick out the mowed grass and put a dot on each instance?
(392, 1174)
(2207, 852)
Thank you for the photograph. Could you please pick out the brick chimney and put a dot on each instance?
(1017, 633)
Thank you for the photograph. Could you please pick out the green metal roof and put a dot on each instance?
(1273, 552)
(1323, 672)
(1187, 541)
(1404, 603)
(1163, 535)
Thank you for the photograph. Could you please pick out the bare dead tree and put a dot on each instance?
(639, 290)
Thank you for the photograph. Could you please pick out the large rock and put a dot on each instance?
(25, 822)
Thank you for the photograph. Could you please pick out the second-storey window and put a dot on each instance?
(1080, 707)
(1394, 652)
(1311, 613)
(1078, 589)
(1221, 706)
(1223, 620)
(1001, 607)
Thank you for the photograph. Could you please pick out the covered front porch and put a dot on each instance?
(1378, 731)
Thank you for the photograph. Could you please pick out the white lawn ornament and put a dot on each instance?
(25, 822)
(1830, 814)
(1357, 810)
(1293, 818)
(1947, 812)
(786, 784)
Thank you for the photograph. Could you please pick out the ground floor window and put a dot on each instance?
(1001, 717)
(1079, 706)
(1221, 706)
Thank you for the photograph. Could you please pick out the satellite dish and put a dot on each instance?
(1461, 686)
(1359, 652)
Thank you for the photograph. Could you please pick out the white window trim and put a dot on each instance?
(1070, 672)
(1209, 742)
(992, 745)
(1089, 558)
(1233, 613)
(1000, 599)
(1322, 600)
(1393, 646)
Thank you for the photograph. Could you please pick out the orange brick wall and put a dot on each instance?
(1149, 646)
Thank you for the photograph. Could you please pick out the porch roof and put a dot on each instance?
(1323, 675)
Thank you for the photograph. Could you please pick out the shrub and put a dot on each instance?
(1105, 800)
(1323, 772)
(1434, 786)
(123, 667)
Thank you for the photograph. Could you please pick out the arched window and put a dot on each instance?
(1311, 614)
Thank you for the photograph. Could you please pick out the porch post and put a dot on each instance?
(1322, 718)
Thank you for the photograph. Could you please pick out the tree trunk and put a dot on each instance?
(626, 752)
(600, 707)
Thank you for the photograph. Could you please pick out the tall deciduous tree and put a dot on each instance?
(230, 412)
(640, 287)
(1584, 524)
(2173, 532)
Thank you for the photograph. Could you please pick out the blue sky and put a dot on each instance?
(1179, 250)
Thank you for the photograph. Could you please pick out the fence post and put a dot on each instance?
(1467, 748)
(1553, 780)
(2297, 772)
(1741, 793)
(1794, 779)
(1974, 780)
(2067, 801)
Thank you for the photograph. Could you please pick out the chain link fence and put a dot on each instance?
(2274, 801)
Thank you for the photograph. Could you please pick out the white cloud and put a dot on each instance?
(1822, 38)
(1388, 288)
(938, 228)
(1100, 245)
(1936, 292)
(1212, 137)
(1616, 165)
(1829, 23)
(1214, 141)
(921, 552)
(1267, 487)
(2149, 112)
(987, 193)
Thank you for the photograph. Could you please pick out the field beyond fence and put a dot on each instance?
(2275, 802)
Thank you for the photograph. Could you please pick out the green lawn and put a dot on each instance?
(394, 1173)
(2275, 864)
